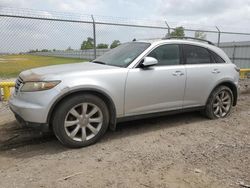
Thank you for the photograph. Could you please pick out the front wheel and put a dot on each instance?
(219, 104)
(80, 120)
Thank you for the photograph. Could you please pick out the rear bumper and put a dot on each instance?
(237, 96)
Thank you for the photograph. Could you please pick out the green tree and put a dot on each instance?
(32, 51)
(200, 35)
(44, 50)
(101, 46)
(87, 44)
(69, 49)
(115, 43)
(178, 32)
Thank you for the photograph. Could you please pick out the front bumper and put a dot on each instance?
(39, 126)
(27, 111)
(33, 106)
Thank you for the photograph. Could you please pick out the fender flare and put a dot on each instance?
(104, 96)
(232, 86)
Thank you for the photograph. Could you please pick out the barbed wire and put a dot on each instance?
(121, 20)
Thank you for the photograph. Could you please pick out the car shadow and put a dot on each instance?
(21, 142)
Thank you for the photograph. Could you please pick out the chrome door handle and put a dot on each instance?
(178, 73)
(216, 71)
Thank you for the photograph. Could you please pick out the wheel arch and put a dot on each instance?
(105, 97)
(233, 88)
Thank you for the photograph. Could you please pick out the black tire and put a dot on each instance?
(210, 111)
(62, 111)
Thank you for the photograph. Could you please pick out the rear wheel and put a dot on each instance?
(80, 120)
(219, 104)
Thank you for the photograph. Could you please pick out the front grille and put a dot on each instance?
(19, 81)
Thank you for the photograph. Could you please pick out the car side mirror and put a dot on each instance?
(148, 62)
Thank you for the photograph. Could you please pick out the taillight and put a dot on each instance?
(237, 69)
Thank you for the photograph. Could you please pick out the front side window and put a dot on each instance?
(168, 54)
(196, 55)
(122, 55)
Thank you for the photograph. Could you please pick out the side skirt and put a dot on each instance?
(158, 114)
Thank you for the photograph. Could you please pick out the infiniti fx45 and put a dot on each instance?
(139, 79)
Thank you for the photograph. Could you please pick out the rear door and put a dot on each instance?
(201, 75)
(156, 88)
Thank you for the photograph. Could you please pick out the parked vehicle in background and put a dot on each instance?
(138, 79)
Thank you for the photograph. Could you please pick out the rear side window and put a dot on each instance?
(217, 58)
(196, 55)
(168, 54)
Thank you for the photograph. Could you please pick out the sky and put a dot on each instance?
(197, 14)
(223, 13)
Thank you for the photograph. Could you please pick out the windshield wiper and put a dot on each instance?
(99, 62)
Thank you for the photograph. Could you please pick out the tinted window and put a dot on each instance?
(166, 54)
(217, 58)
(122, 55)
(196, 55)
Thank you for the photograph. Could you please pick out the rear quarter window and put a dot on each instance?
(217, 58)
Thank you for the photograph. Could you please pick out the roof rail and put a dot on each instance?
(192, 38)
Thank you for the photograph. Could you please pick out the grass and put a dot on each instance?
(12, 65)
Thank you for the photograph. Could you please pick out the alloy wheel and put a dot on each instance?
(83, 122)
(222, 104)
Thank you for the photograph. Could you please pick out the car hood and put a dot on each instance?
(56, 71)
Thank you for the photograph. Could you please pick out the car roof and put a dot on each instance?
(176, 41)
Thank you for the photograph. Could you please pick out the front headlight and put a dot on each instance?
(38, 86)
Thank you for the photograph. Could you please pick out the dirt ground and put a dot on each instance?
(184, 150)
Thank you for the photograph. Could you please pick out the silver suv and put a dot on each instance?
(138, 79)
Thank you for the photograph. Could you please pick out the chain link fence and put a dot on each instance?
(31, 38)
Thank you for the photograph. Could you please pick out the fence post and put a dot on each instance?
(168, 35)
(218, 43)
(94, 35)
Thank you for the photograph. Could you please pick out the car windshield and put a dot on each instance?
(122, 55)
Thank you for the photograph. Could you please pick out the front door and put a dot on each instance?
(157, 88)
